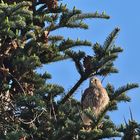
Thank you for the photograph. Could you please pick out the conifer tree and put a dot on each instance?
(29, 107)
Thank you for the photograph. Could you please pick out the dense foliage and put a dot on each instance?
(28, 106)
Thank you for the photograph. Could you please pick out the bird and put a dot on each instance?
(94, 97)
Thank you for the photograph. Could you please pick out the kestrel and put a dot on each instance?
(94, 97)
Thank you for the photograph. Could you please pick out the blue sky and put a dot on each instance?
(124, 14)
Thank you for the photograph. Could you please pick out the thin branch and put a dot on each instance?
(17, 83)
(30, 122)
(6, 72)
(71, 92)
(76, 86)
(52, 106)
(103, 79)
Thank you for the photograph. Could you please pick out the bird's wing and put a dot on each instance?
(90, 97)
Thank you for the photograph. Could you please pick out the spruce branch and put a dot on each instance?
(80, 25)
(70, 20)
(9, 10)
(67, 15)
(33, 120)
(55, 38)
(59, 9)
(110, 89)
(107, 70)
(99, 134)
(123, 97)
(86, 16)
(73, 89)
(124, 89)
(79, 67)
(108, 133)
(76, 57)
(130, 130)
(105, 61)
(21, 5)
(109, 41)
(67, 44)
(115, 50)
(60, 58)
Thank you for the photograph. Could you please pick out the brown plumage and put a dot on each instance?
(52, 4)
(94, 97)
(87, 63)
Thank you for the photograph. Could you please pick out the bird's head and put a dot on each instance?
(94, 82)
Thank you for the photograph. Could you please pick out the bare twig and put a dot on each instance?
(103, 79)
(76, 86)
(30, 122)
(17, 83)
(52, 106)
(70, 93)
